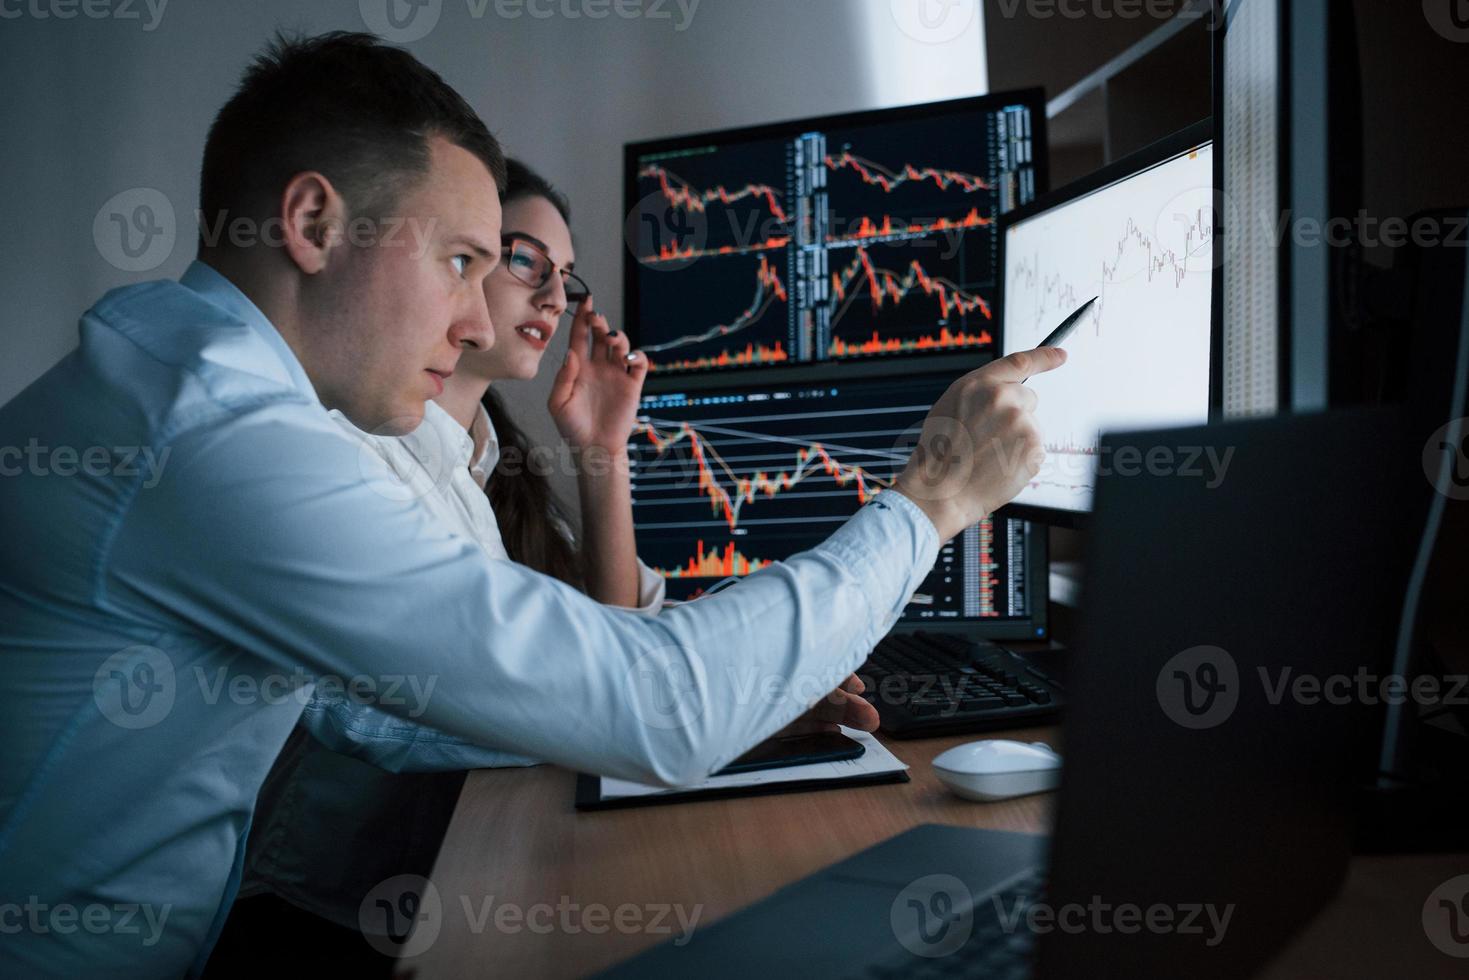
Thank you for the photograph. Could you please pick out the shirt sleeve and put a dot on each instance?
(272, 533)
(369, 734)
(372, 735)
(652, 590)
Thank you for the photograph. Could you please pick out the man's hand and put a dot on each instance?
(844, 706)
(980, 445)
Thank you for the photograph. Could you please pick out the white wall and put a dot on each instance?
(95, 107)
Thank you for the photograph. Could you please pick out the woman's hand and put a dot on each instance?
(594, 399)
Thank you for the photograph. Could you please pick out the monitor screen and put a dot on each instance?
(726, 481)
(1143, 244)
(1250, 116)
(869, 235)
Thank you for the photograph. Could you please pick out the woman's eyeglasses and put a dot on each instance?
(534, 267)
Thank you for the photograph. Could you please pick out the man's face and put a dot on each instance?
(388, 319)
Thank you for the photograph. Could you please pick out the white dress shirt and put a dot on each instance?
(433, 465)
(191, 543)
(316, 797)
(437, 463)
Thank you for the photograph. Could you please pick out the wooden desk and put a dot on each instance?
(515, 839)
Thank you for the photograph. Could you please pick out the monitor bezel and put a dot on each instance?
(1033, 98)
(1162, 151)
(1035, 625)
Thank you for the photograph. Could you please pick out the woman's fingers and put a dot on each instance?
(637, 365)
(581, 326)
(617, 349)
(565, 381)
(599, 331)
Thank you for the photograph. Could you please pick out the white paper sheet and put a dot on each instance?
(876, 760)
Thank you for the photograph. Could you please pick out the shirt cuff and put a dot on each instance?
(928, 535)
(652, 590)
(888, 542)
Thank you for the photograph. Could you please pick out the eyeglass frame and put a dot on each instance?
(507, 247)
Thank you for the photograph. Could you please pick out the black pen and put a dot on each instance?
(1067, 325)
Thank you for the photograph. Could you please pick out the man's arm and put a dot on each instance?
(979, 446)
(274, 534)
(270, 536)
(369, 734)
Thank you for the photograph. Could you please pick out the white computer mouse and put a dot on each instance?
(998, 769)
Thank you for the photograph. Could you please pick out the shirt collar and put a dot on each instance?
(481, 430)
(439, 440)
(215, 288)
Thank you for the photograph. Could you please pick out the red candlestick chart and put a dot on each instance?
(879, 309)
(817, 245)
(727, 481)
(728, 491)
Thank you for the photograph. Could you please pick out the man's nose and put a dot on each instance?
(473, 330)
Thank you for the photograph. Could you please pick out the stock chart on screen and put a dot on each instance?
(862, 236)
(1140, 356)
(727, 481)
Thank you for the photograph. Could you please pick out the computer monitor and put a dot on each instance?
(728, 479)
(1288, 101)
(1138, 236)
(840, 238)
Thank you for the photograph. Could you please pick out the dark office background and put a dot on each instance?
(95, 107)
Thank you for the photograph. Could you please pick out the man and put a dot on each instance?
(161, 629)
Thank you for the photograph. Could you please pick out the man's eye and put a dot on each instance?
(461, 263)
(522, 261)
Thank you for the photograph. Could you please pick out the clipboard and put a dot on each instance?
(876, 766)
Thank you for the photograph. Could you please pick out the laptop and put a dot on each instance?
(1204, 811)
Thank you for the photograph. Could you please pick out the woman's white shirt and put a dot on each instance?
(437, 464)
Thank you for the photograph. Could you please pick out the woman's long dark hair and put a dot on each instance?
(526, 507)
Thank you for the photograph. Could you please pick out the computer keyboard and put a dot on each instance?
(942, 683)
(999, 947)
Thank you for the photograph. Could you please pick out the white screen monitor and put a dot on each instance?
(1140, 237)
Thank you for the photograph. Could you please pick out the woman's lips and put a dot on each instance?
(537, 333)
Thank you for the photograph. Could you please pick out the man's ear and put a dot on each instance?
(315, 218)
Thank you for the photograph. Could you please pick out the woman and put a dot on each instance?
(359, 796)
(593, 402)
